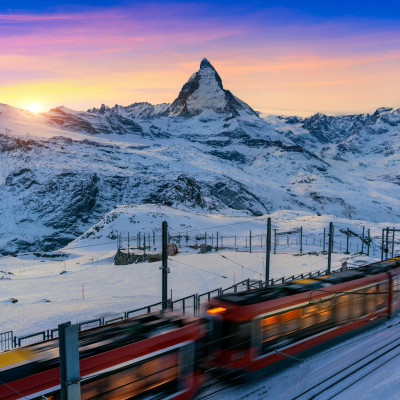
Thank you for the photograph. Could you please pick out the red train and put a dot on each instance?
(259, 328)
(165, 356)
(151, 356)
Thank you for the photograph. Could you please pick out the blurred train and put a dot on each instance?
(167, 356)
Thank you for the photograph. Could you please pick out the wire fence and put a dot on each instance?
(344, 240)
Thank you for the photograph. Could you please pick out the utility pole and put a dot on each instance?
(216, 249)
(69, 361)
(301, 240)
(330, 246)
(250, 241)
(274, 241)
(164, 267)
(347, 241)
(382, 244)
(368, 240)
(128, 243)
(387, 243)
(205, 238)
(268, 252)
(362, 241)
(324, 242)
(394, 229)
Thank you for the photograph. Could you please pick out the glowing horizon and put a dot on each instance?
(277, 59)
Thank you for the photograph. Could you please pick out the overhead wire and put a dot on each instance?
(201, 269)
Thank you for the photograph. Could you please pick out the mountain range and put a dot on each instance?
(207, 151)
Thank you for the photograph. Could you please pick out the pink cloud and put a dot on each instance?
(129, 45)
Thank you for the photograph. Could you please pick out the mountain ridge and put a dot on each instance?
(62, 171)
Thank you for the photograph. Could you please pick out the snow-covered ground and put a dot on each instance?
(83, 283)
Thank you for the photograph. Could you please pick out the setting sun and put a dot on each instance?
(35, 108)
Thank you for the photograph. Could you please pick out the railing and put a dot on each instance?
(189, 305)
(146, 309)
(6, 340)
(32, 338)
(93, 323)
(188, 302)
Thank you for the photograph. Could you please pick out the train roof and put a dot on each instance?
(132, 330)
(303, 285)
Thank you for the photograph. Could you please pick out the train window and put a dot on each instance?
(309, 316)
(370, 299)
(270, 327)
(316, 314)
(382, 296)
(290, 321)
(396, 289)
(287, 326)
(343, 308)
(325, 311)
(357, 309)
(158, 375)
(280, 324)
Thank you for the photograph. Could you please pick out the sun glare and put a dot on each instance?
(35, 108)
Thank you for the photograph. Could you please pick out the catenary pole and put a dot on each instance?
(164, 267)
(69, 361)
(330, 234)
(268, 252)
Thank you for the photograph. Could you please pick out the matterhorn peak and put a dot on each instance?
(206, 64)
(204, 91)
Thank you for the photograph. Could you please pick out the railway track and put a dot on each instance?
(338, 374)
(340, 381)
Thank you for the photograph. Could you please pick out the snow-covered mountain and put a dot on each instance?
(207, 151)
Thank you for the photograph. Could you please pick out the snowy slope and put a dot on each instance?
(207, 151)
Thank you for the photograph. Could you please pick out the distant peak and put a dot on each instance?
(204, 91)
(205, 64)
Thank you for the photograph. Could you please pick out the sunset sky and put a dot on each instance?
(278, 56)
